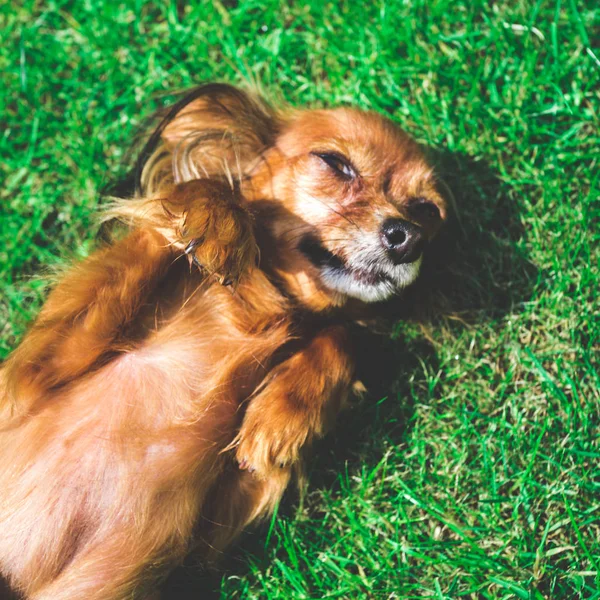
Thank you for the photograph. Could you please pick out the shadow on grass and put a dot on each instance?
(476, 272)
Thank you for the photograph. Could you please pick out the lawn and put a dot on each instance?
(473, 468)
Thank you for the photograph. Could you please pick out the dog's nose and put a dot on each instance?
(403, 240)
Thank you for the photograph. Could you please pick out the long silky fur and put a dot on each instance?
(150, 410)
(222, 131)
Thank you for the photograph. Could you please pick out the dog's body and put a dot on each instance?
(149, 409)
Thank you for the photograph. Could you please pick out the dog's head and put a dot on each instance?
(362, 201)
(347, 197)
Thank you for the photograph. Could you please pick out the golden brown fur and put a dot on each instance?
(149, 409)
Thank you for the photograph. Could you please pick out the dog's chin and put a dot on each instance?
(370, 286)
(372, 283)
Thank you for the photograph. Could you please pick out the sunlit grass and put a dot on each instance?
(475, 471)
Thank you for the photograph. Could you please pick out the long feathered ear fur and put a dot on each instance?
(214, 130)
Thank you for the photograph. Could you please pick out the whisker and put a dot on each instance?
(342, 239)
(336, 212)
(227, 171)
(299, 227)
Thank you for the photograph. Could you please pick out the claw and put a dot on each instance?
(192, 246)
(189, 252)
(197, 262)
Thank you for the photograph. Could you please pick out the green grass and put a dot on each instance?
(475, 472)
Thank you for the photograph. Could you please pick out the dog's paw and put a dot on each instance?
(270, 441)
(219, 240)
(216, 231)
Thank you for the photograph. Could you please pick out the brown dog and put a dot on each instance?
(150, 409)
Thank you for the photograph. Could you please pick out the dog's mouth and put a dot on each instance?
(322, 258)
(368, 274)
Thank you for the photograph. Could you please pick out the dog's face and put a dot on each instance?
(352, 202)
(361, 204)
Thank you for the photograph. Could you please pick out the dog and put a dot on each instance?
(166, 393)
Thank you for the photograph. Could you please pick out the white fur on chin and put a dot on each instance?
(345, 282)
(365, 253)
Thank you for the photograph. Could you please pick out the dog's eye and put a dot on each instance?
(337, 163)
(423, 210)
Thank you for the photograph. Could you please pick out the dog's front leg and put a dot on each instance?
(296, 403)
(85, 318)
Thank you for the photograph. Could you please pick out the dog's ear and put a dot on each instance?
(223, 108)
(213, 130)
